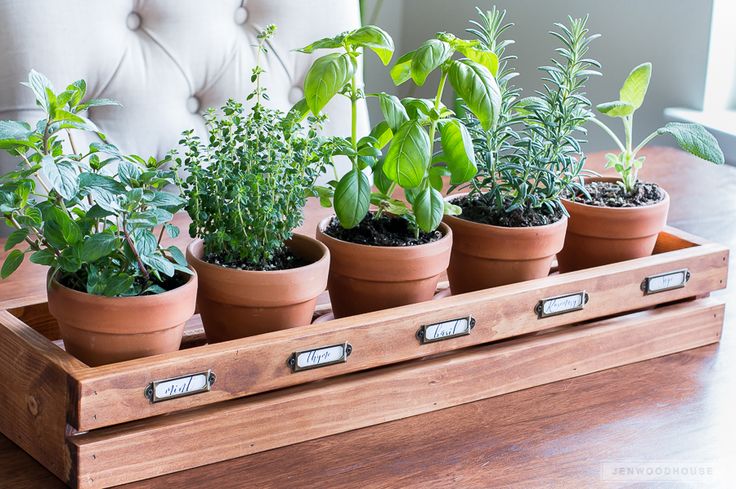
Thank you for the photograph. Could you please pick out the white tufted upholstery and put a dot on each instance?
(166, 61)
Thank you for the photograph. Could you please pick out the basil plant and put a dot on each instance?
(693, 138)
(410, 126)
(96, 217)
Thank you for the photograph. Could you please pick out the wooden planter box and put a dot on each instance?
(109, 425)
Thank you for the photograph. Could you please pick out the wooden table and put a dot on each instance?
(675, 409)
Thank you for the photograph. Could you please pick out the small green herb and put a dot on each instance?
(693, 138)
(247, 184)
(92, 220)
(410, 125)
(533, 154)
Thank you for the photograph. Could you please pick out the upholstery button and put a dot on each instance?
(295, 94)
(133, 21)
(241, 15)
(193, 104)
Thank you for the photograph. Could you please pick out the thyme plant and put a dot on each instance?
(534, 155)
(247, 184)
(411, 125)
(693, 138)
(91, 215)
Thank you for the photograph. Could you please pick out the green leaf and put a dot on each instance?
(477, 87)
(16, 237)
(616, 109)
(401, 71)
(435, 177)
(98, 102)
(635, 87)
(299, 110)
(452, 209)
(118, 284)
(43, 257)
(408, 156)
(429, 207)
(97, 246)
(457, 146)
(171, 230)
(62, 176)
(393, 112)
(324, 43)
(71, 260)
(326, 77)
(38, 83)
(14, 131)
(67, 120)
(482, 57)
(352, 198)
(374, 38)
(428, 57)
(696, 140)
(11, 263)
(144, 240)
(382, 133)
(380, 180)
(159, 263)
(177, 255)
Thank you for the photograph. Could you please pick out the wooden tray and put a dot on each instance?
(108, 425)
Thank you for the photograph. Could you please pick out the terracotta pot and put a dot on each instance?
(485, 256)
(370, 278)
(602, 235)
(238, 303)
(99, 330)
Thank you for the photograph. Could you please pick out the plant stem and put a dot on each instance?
(141, 266)
(354, 120)
(437, 102)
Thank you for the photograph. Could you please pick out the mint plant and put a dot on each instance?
(248, 182)
(533, 155)
(91, 216)
(410, 125)
(693, 138)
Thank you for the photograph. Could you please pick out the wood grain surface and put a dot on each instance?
(677, 408)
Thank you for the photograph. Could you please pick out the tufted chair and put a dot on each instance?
(166, 61)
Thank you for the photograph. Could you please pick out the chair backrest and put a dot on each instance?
(166, 61)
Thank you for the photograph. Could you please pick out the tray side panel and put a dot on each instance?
(154, 447)
(34, 387)
(258, 364)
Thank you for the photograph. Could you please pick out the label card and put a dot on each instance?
(187, 385)
(429, 333)
(561, 304)
(319, 357)
(665, 281)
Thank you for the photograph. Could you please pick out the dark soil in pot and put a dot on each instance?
(284, 259)
(611, 194)
(478, 209)
(384, 231)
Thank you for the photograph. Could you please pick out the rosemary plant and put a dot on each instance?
(247, 185)
(534, 154)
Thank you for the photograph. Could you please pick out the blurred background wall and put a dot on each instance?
(673, 34)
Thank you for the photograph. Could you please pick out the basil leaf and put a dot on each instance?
(408, 156)
(374, 38)
(352, 198)
(477, 87)
(428, 57)
(327, 76)
(401, 71)
(429, 207)
(457, 146)
(393, 112)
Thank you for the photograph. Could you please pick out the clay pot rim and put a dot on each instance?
(271, 273)
(608, 178)
(120, 301)
(518, 229)
(443, 228)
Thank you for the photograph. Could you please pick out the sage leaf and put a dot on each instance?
(696, 140)
(457, 146)
(352, 198)
(408, 155)
(616, 108)
(327, 76)
(477, 87)
(635, 87)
